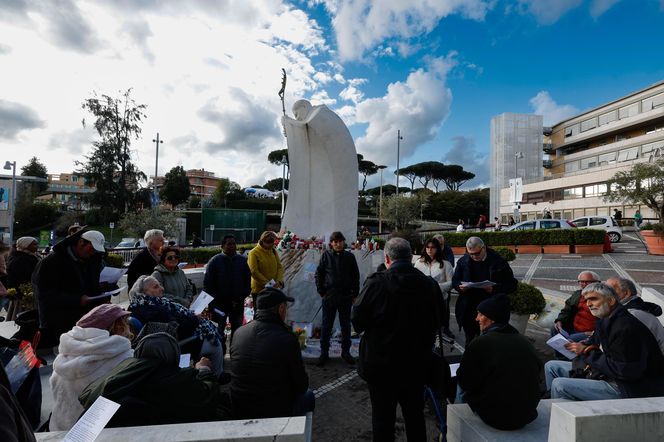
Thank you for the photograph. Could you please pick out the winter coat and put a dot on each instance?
(629, 355)
(499, 374)
(396, 310)
(264, 265)
(268, 372)
(177, 287)
(14, 424)
(443, 276)
(20, 266)
(228, 279)
(569, 311)
(84, 355)
(142, 264)
(337, 275)
(647, 313)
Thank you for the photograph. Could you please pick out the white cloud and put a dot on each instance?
(465, 154)
(360, 25)
(16, 118)
(547, 12)
(418, 107)
(599, 7)
(553, 113)
(352, 91)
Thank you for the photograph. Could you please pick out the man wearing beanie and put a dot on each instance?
(500, 371)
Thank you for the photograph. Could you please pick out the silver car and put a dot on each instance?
(603, 222)
(541, 224)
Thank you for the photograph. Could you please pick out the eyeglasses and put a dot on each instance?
(478, 253)
(173, 258)
(587, 282)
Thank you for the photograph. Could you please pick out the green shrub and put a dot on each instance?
(647, 226)
(588, 236)
(507, 254)
(200, 255)
(556, 237)
(527, 300)
(114, 260)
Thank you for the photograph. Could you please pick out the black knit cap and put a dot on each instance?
(496, 308)
(270, 297)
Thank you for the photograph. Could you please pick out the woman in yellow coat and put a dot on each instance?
(265, 264)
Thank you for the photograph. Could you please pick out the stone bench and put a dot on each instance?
(286, 429)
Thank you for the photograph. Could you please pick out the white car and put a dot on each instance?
(541, 224)
(603, 222)
(130, 243)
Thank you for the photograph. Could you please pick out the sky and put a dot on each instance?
(209, 72)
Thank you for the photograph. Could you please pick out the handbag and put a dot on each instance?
(581, 370)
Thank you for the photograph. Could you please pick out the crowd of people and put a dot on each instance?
(133, 356)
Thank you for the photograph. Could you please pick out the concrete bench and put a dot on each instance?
(286, 429)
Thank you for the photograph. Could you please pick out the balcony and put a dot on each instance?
(547, 164)
(548, 148)
(547, 130)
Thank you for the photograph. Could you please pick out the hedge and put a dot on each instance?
(526, 237)
(200, 255)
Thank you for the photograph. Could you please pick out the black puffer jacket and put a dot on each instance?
(337, 275)
(20, 266)
(267, 369)
(396, 310)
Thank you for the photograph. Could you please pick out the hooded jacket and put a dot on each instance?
(647, 313)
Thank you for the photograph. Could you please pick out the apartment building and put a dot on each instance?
(582, 153)
(202, 183)
(68, 189)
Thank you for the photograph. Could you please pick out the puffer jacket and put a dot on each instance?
(176, 285)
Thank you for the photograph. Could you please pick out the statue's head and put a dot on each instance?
(301, 109)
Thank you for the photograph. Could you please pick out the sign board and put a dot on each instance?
(211, 226)
(4, 197)
(111, 225)
(44, 238)
(516, 190)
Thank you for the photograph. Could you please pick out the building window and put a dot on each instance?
(595, 190)
(628, 154)
(607, 118)
(587, 163)
(572, 166)
(646, 149)
(588, 124)
(628, 111)
(570, 131)
(607, 158)
(652, 102)
(573, 193)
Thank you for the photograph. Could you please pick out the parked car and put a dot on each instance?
(604, 222)
(130, 243)
(532, 224)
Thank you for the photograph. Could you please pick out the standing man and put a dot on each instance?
(228, 279)
(396, 311)
(479, 264)
(499, 374)
(65, 280)
(617, 215)
(338, 284)
(268, 375)
(147, 259)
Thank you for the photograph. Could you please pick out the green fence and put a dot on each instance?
(245, 225)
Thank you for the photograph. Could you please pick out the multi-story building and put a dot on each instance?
(201, 182)
(516, 151)
(68, 189)
(587, 150)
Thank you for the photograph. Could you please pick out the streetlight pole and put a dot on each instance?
(399, 138)
(517, 156)
(380, 201)
(12, 165)
(157, 141)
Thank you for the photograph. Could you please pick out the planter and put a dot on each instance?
(557, 249)
(529, 248)
(459, 250)
(589, 249)
(519, 322)
(654, 242)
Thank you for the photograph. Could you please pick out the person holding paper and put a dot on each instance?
(65, 281)
(500, 370)
(265, 265)
(176, 285)
(622, 357)
(575, 317)
(99, 341)
(480, 263)
(146, 260)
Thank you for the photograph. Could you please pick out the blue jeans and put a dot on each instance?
(330, 307)
(304, 404)
(564, 387)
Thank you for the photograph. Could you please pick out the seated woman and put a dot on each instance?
(99, 341)
(153, 390)
(149, 304)
(176, 285)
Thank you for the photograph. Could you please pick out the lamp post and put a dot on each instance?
(399, 138)
(157, 141)
(517, 156)
(11, 165)
(380, 201)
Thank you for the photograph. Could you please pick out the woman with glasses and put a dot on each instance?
(176, 285)
(432, 263)
(265, 265)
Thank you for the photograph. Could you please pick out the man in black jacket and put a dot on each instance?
(500, 371)
(146, 260)
(228, 279)
(479, 264)
(268, 378)
(338, 284)
(622, 357)
(65, 281)
(396, 310)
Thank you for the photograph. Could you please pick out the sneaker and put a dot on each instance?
(322, 360)
(350, 360)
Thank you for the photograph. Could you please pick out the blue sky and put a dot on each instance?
(209, 71)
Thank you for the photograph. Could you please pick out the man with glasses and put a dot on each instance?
(479, 264)
(66, 281)
(575, 318)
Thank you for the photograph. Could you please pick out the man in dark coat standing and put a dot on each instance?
(396, 310)
(65, 281)
(228, 279)
(338, 284)
(147, 259)
(268, 376)
(479, 264)
(500, 371)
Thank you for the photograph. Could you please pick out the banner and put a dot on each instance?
(4, 197)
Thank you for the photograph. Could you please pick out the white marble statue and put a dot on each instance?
(323, 182)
